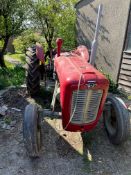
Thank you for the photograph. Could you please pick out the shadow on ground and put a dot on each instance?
(64, 152)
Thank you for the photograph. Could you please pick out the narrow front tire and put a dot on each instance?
(32, 131)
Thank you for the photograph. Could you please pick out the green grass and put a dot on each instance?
(11, 76)
(17, 56)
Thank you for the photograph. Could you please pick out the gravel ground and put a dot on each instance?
(63, 153)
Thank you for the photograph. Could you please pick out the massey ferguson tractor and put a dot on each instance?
(82, 91)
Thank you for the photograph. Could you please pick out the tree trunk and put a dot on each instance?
(50, 48)
(2, 62)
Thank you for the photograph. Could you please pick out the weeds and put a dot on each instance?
(7, 120)
(113, 87)
(11, 76)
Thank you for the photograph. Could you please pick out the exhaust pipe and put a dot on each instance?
(95, 41)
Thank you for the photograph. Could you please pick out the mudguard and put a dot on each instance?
(40, 52)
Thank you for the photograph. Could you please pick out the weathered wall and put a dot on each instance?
(112, 33)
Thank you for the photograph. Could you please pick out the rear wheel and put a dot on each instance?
(116, 120)
(33, 72)
(32, 131)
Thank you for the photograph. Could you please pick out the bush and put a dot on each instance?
(13, 76)
(27, 39)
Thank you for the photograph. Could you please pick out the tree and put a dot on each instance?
(55, 19)
(26, 39)
(11, 22)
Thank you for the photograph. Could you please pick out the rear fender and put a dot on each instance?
(40, 52)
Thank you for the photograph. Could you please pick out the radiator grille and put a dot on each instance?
(86, 104)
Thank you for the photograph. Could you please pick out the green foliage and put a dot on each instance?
(19, 45)
(12, 15)
(13, 76)
(66, 27)
(129, 97)
(55, 19)
(113, 88)
(27, 39)
(1, 44)
(7, 120)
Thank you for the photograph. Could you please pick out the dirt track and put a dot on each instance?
(63, 153)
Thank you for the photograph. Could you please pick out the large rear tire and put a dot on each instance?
(116, 120)
(32, 131)
(33, 72)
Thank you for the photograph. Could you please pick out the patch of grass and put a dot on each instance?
(9, 65)
(11, 76)
(17, 56)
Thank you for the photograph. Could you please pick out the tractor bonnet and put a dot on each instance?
(80, 82)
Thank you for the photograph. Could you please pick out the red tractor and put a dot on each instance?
(83, 95)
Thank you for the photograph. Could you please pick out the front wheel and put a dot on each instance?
(32, 130)
(116, 120)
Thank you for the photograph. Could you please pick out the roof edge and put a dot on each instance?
(78, 3)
